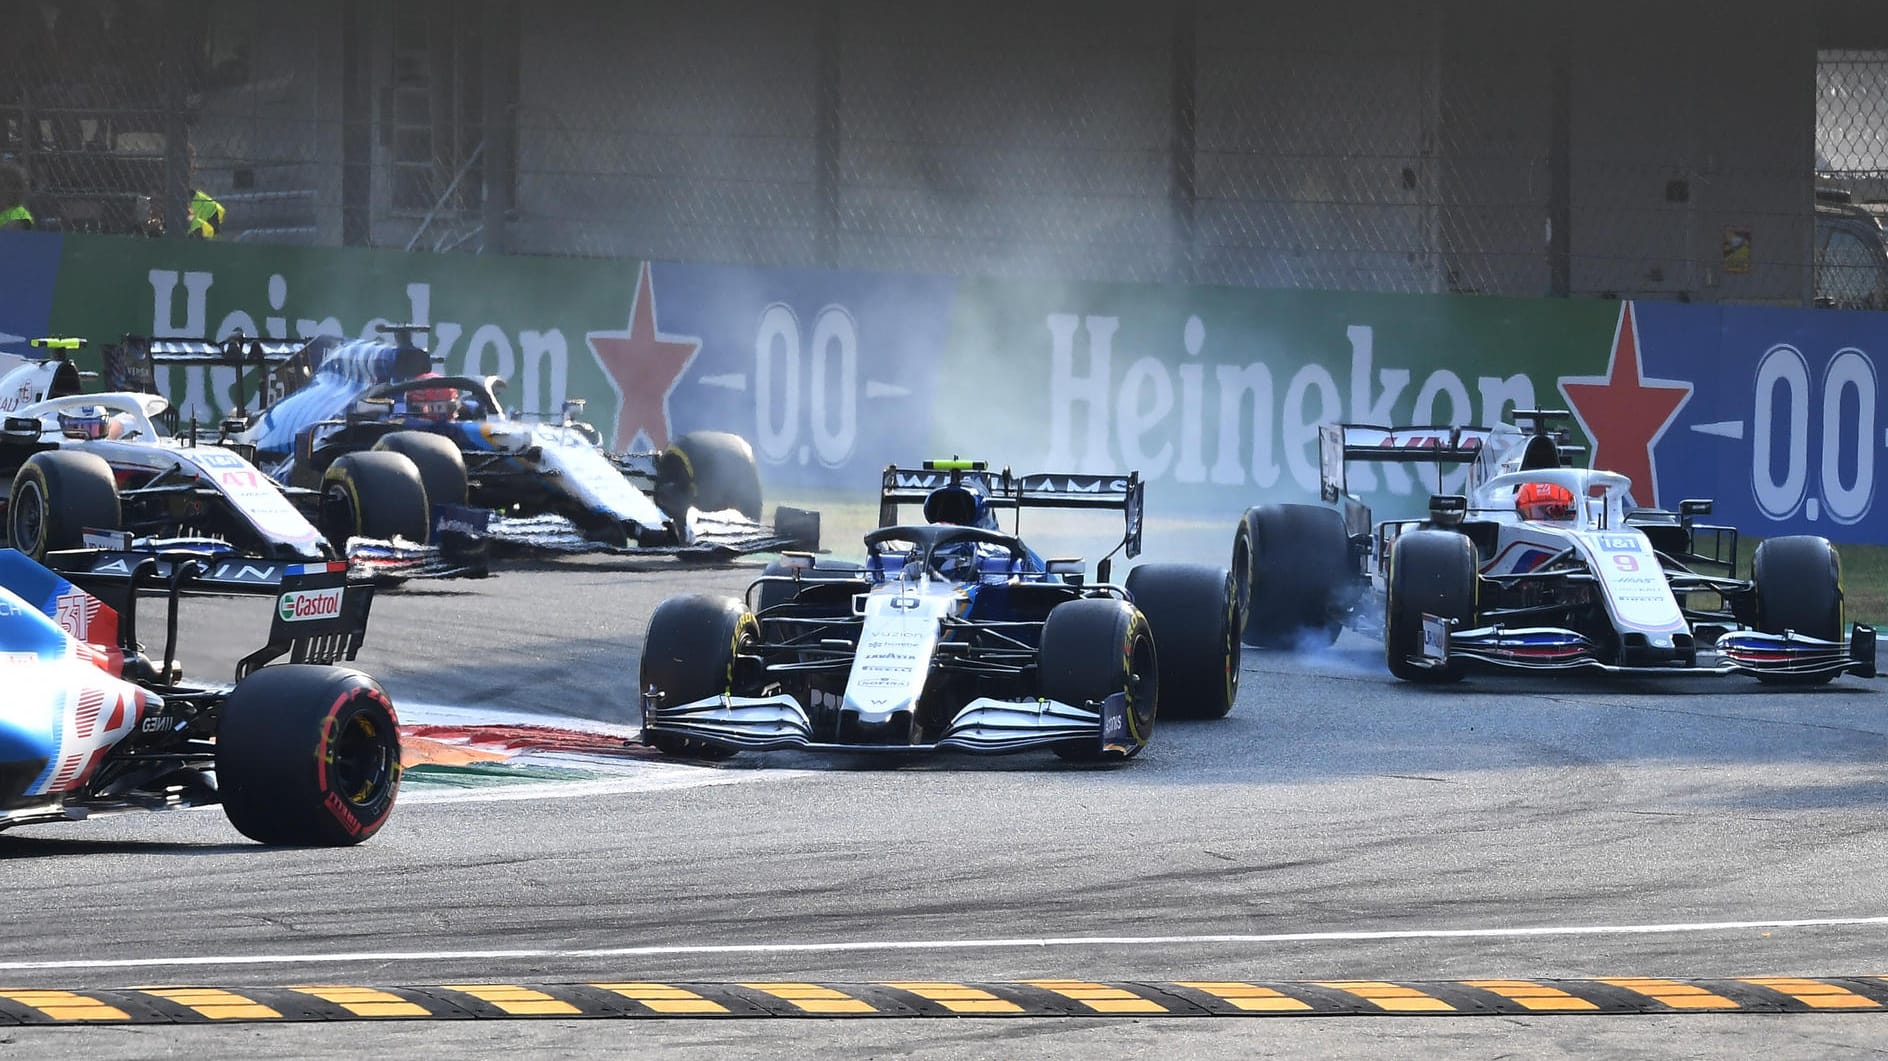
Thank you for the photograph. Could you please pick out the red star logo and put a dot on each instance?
(1624, 413)
(643, 366)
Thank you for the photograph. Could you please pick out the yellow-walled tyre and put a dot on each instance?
(1091, 649)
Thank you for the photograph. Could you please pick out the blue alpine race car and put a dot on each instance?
(304, 754)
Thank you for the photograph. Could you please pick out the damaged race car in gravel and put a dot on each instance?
(305, 753)
(400, 453)
(951, 636)
(1537, 564)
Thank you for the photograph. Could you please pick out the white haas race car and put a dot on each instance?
(1537, 564)
(100, 471)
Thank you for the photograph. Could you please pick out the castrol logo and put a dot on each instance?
(303, 605)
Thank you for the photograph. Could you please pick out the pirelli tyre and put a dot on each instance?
(375, 494)
(440, 465)
(57, 496)
(1798, 579)
(1091, 649)
(710, 471)
(692, 653)
(1296, 578)
(308, 756)
(1431, 572)
(1193, 611)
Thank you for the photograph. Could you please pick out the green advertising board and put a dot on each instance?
(522, 318)
(1215, 394)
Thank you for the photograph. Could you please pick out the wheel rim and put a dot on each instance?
(361, 761)
(1142, 686)
(339, 520)
(1242, 570)
(28, 509)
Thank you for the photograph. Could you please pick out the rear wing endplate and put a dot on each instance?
(1005, 489)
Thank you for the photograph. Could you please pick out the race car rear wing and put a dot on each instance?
(1005, 489)
(320, 615)
(1340, 444)
(282, 365)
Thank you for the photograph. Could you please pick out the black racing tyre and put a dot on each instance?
(690, 654)
(1433, 572)
(308, 756)
(437, 459)
(58, 495)
(1799, 588)
(374, 495)
(1091, 649)
(1295, 573)
(710, 471)
(1193, 610)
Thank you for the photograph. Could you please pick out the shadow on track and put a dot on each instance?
(22, 846)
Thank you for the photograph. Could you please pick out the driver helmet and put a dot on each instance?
(433, 403)
(1544, 501)
(84, 422)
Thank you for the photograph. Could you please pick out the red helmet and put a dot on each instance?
(1544, 501)
(434, 402)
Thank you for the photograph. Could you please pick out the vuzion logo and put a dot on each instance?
(302, 605)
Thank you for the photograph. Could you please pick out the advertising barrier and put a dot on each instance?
(1213, 394)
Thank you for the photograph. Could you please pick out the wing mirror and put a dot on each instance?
(1696, 506)
(20, 429)
(1072, 569)
(796, 561)
(1447, 510)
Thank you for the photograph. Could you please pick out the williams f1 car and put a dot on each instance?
(951, 635)
(1537, 564)
(369, 427)
(305, 753)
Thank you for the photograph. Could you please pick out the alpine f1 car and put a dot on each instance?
(400, 453)
(305, 753)
(1537, 564)
(103, 469)
(950, 636)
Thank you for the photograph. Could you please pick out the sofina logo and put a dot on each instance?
(303, 605)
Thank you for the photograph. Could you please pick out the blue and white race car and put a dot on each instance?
(950, 636)
(400, 453)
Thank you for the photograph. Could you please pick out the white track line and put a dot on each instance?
(937, 944)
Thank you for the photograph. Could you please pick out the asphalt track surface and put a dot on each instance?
(1338, 826)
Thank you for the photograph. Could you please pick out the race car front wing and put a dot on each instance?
(984, 726)
(1731, 652)
(713, 535)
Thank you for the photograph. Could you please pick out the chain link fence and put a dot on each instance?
(1464, 147)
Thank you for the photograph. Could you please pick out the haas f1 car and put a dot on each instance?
(397, 452)
(951, 635)
(1537, 564)
(107, 471)
(305, 753)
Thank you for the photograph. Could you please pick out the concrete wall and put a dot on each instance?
(1360, 144)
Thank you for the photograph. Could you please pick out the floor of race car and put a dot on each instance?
(1338, 828)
